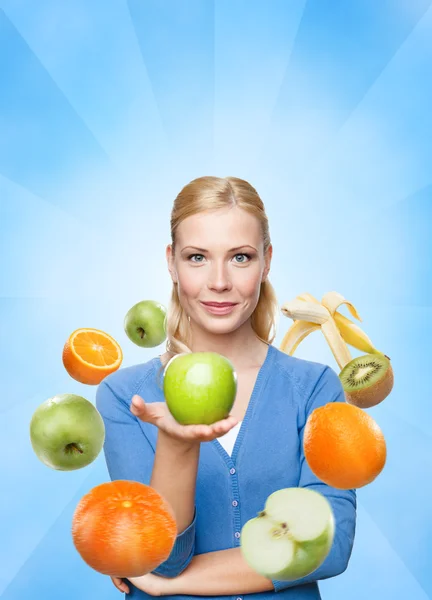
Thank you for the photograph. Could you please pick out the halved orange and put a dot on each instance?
(89, 355)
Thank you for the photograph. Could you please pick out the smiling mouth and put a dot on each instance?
(219, 304)
(219, 309)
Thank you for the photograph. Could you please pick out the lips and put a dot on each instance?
(219, 304)
(219, 308)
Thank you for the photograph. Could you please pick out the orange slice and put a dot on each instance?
(89, 355)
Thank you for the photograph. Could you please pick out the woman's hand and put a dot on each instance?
(154, 584)
(149, 583)
(120, 584)
(158, 414)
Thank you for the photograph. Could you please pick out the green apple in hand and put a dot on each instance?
(199, 387)
(291, 537)
(67, 432)
(144, 323)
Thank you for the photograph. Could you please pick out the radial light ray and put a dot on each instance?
(93, 56)
(177, 46)
(41, 134)
(252, 50)
(338, 53)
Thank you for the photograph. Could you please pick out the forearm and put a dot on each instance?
(220, 573)
(174, 476)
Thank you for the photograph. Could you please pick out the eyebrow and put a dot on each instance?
(231, 250)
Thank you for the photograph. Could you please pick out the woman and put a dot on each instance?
(218, 477)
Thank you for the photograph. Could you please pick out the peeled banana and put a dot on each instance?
(296, 334)
(309, 314)
(305, 311)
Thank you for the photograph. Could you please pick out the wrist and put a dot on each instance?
(177, 585)
(179, 446)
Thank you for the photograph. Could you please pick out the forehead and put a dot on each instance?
(223, 227)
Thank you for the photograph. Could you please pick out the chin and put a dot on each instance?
(218, 325)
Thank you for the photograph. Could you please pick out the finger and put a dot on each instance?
(225, 424)
(201, 431)
(117, 582)
(139, 408)
(194, 432)
(219, 428)
(124, 588)
(137, 403)
(120, 584)
(231, 419)
(146, 412)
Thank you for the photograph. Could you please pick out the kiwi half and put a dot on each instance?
(367, 380)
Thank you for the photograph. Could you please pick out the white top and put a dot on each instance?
(228, 439)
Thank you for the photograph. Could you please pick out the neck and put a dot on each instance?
(242, 347)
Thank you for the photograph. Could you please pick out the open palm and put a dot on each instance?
(158, 414)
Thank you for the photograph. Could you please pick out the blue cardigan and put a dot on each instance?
(267, 456)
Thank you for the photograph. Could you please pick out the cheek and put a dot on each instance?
(189, 281)
(250, 280)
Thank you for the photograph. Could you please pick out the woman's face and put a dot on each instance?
(219, 258)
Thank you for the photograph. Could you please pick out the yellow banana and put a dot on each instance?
(309, 314)
(336, 342)
(332, 301)
(305, 311)
(351, 333)
(354, 335)
(296, 334)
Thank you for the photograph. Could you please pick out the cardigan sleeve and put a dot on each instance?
(328, 388)
(129, 455)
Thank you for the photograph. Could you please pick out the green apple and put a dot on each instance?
(199, 387)
(144, 323)
(67, 432)
(291, 537)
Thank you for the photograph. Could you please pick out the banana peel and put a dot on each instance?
(309, 314)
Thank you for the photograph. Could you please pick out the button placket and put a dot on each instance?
(235, 503)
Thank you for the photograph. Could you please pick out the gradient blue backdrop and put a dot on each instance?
(106, 110)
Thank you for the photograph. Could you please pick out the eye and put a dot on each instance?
(248, 256)
(192, 255)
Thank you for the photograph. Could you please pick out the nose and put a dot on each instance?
(219, 279)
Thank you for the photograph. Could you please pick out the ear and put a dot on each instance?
(267, 258)
(170, 261)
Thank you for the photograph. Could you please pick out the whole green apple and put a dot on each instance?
(199, 387)
(67, 432)
(144, 323)
(291, 537)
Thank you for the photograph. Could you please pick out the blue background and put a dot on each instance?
(107, 109)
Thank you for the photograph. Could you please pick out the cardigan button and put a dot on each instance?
(234, 502)
(232, 471)
(237, 534)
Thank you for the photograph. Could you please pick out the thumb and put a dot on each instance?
(138, 405)
(150, 413)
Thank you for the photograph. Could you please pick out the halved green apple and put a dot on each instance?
(291, 537)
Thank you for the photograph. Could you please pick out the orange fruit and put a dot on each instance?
(343, 445)
(123, 528)
(89, 355)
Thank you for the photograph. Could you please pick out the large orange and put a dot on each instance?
(89, 355)
(123, 528)
(343, 445)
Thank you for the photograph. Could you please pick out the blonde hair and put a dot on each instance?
(211, 193)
